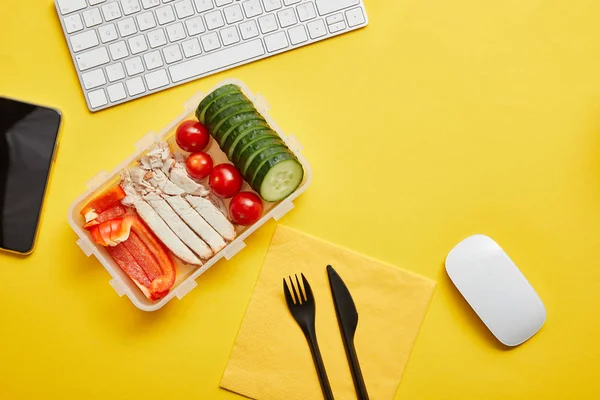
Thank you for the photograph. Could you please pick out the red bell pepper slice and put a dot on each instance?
(143, 256)
(129, 265)
(102, 202)
(114, 212)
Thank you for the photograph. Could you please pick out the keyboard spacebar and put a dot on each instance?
(217, 60)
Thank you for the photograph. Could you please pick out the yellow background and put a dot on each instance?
(439, 120)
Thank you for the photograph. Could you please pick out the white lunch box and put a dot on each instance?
(186, 274)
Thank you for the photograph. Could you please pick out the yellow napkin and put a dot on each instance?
(271, 359)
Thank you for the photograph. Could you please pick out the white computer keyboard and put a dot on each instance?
(126, 49)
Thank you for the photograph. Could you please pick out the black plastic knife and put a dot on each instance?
(348, 320)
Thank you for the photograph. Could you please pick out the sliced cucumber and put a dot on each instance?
(233, 122)
(223, 102)
(207, 101)
(278, 177)
(255, 148)
(216, 114)
(245, 129)
(252, 139)
(256, 161)
(224, 140)
(214, 125)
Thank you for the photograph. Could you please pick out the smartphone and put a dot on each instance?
(28, 144)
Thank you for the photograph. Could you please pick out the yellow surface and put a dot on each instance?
(439, 120)
(269, 360)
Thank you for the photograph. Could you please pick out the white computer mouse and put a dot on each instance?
(496, 289)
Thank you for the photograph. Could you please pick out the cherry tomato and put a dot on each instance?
(245, 208)
(199, 165)
(225, 180)
(192, 136)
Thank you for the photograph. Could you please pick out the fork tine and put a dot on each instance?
(288, 296)
(302, 294)
(297, 296)
(307, 289)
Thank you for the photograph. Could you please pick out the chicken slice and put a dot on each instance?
(156, 156)
(160, 180)
(213, 216)
(178, 226)
(155, 223)
(180, 177)
(196, 222)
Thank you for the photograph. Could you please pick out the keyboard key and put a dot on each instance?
(210, 41)
(172, 54)
(316, 29)
(68, 6)
(252, 8)
(146, 21)
(116, 92)
(332, 19)
(115, 72)
(211, 62)
(135, 86)
(355, 17)
(92, 17)
(276, 41)
(184, 9)
(338, 26)
(93, 79)
(138, 44)
(203, 5)
(91, 59)
(306, 11)
(108, 33)
(233, 14)
(271, 5)
(165, 15)
(111, 11)
(329, 6)
(195, 26)
(297, 34)
(130, 6)
(127, 27)
(249, 29)
(73, 23)
(153, 60)
(97, 98)
(118, 50)
(134, 66)
(214, 20)
(290, 2)
(175, 32)
(156, 79)
(84, 41)
(157, 38)
(268, 23)
(95, 2)
(230, 35)
(220, 3)
(191, 48)
(287, 17)
(150, 3)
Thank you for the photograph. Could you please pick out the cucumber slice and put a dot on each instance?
(214, 125)
(234, 122)
(254, 148)
(257, 159)
(278, 177)
(251, 139)
(246, 128)
(207, 101)
(221, 103)
(210, 118)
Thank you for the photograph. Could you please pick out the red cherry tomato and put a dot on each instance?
(225, 180)
(245, 208)
(192, 136)
(199, 165)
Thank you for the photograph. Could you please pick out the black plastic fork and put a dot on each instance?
(302, 307)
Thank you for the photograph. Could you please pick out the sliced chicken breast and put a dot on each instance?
(179, 227)
(180, 177)
(160, 180)
(213, 216)
(196, 222)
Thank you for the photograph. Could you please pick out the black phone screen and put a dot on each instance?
(28, 136)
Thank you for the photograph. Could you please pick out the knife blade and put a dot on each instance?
(347, 317)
